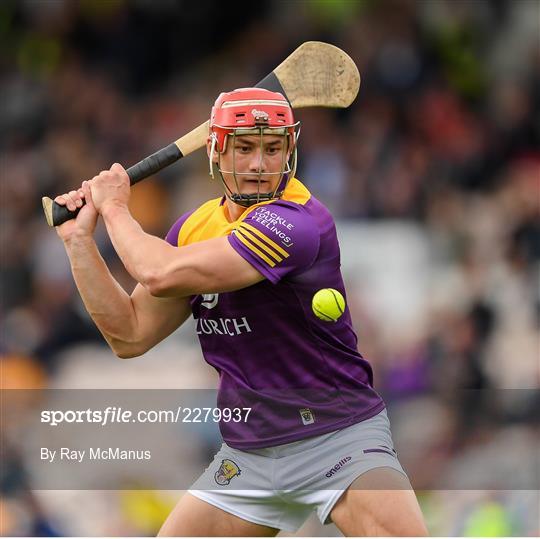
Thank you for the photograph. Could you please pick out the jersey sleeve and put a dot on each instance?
(172, 235)
(277, 239)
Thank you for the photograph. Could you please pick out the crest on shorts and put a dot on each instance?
(226, 472)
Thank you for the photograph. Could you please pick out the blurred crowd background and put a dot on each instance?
(433, 176)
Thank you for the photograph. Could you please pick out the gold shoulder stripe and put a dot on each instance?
(279, 249)
(252, 247)
(246, 233)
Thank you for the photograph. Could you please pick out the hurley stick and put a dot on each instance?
(316, 74)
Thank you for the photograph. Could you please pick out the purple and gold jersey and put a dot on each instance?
(300, 376)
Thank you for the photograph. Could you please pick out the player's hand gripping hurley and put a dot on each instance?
(316, 74)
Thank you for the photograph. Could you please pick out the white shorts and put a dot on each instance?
(280, 486)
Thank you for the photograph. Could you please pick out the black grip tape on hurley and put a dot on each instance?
(154, 163)
(148, 166)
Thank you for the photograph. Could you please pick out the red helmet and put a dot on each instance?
(252, 111)
(247, 108)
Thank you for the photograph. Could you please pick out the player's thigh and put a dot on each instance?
(193, 517)
(379, 502)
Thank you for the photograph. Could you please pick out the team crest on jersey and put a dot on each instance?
(227, 471)
(307, 416)
(209, 300)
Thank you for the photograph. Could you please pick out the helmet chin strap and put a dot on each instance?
(249, 200)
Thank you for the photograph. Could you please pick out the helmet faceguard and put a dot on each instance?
(252, 111)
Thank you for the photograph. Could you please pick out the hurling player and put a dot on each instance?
(246, 266)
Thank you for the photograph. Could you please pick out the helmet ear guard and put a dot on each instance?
(252, 111)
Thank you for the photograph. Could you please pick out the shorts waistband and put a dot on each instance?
(306, 444)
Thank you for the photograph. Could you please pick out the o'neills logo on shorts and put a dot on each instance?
(338, 466)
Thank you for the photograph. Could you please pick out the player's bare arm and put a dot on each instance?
(252, 151)
(164, 270)
(130, 324)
